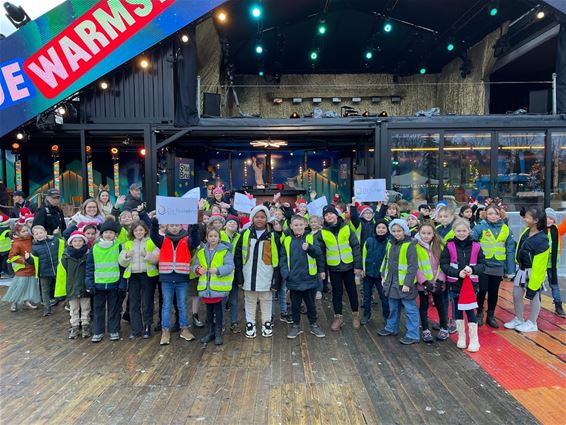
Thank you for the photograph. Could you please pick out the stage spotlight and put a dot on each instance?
(540, 14)
(16, 15)
(184, 38)
(20, 135)
(104, 85)
(368, 55)
(451, 45)
(144, 63)
(365, 114)
(493, 8)
(256, 11)
(222, 17)
(295, 115)
(115, 153)
(54, 150)
(313, 55)
(258, 49)
(383, 114)
(16, 148)
(422, 70)
(61, 110)
(321, 29)
(261, 73)
(387, 26)
(142, 152)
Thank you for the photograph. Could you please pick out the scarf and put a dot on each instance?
(82, 218)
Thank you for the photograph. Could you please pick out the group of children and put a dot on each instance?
(278, 252)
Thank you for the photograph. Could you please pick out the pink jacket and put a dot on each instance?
(435, 264)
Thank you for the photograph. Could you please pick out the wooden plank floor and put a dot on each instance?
(349, 377)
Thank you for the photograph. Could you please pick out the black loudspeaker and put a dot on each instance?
(211, 105)
(539, 101)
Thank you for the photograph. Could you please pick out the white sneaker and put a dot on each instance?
(527, 326)
(267, 330)
(250, 330)
(513, 323)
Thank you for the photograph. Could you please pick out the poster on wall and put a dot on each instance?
(184, 175)
(54, 56)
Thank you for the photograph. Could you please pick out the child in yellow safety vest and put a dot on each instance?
(555, 234)
(139, 257)
(5, 245)
(45, 255)
(230, 236)
(399, 273)
(214, 266)
(533, 251)
(498, 246)
(24, 288)
(444, 216)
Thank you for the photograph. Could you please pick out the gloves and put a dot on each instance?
(530, 295)
(429, 286)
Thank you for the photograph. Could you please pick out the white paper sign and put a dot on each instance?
(171, 210)
(316, 206)
(369, 190)
(193, 193)
(243, 204)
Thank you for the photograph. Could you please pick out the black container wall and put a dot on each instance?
(134, 94)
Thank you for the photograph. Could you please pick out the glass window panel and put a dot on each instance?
(414, 166)
(466, 167)
(520, 169)
(558, 186)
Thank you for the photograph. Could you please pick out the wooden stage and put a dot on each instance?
(349, 377)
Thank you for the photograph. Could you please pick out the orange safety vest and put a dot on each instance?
(177, 259)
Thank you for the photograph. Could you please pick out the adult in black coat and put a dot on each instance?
(50, 214)
(20, 202)
(133, 198)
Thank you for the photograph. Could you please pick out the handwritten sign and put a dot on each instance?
(315, 207)
(243, 204)
(369, 190)
(170, 210)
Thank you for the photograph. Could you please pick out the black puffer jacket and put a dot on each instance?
(464, 252)
(47, 252)
(50, 217)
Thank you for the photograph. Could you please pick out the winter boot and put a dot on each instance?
(356, 319)
(86, 331)
(480, 317)
(558, 310)
(165, 337)
(209, 336)
(491, 320)
(73, 332)
(218, 339)
(337, 323)
(461, 333)
(474, 341)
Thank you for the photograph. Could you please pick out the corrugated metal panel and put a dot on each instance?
(135, 95)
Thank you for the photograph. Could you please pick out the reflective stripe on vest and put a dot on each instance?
(151, 268)
(16, 266)
(311, 261)
(357, 230)
(217, 283)
(424, 262)
(550, 246)
(274, 252)
(403, 264)
(492, 246)
(106, 267)
(454, 260)
(225, 238)
(5, 241)
(175, 259)
(338, 249)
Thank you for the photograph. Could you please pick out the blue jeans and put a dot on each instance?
(369, 283)
(282, 293)
(179, 289)
(411, 317)
(554, 289)
(232, 300)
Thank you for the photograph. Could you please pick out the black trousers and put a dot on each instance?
(339, 281)
(297, 297)
(104, 300)
(215, 317)
(489, 285)
(438, 299)
(4, 262)
(141, 293)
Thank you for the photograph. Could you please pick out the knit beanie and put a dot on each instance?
(550, 213)
(258, 209)
(233, 218)
(401, 223)
(330, 209)
(77, 235)
(110, 225)
(216, 217)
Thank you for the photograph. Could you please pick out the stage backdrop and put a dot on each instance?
(79, 41)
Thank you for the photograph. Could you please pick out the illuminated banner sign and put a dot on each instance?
(76, 43)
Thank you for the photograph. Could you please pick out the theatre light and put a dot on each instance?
(313, 55)
(387, 26)
(368, 55)
(103, 85)
(15, 148)
(258, 48)
(295, 115)
(185, 38)
(493, 8)
(256, 11)
(61, 110)
(16, 15)
(142, 152)
(540, 14)
(222, 17)
(383, 114)
(450, 46)
(20, 135)
(422, 70)
(321, 29)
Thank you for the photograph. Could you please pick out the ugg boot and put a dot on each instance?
(474, 341)
(461, 333)
(356, 319)
(337, 323)
(165, 337)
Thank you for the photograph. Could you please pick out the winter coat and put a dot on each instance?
(529, 247)
(493, 266)
(47, 253)
(15, 213)
(464, 251)
(131, 203)
(391, 286)
(19, 248)
(258, 273)
(375, 246)
(298, 277)
(50, 217)
(354, 243)
(74, 265)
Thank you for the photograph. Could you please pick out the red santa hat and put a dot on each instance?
(364, 208)
(28, 217)
(467, 299)
(77, 234)
(3, 218)
(24, 211)
(301, 201)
